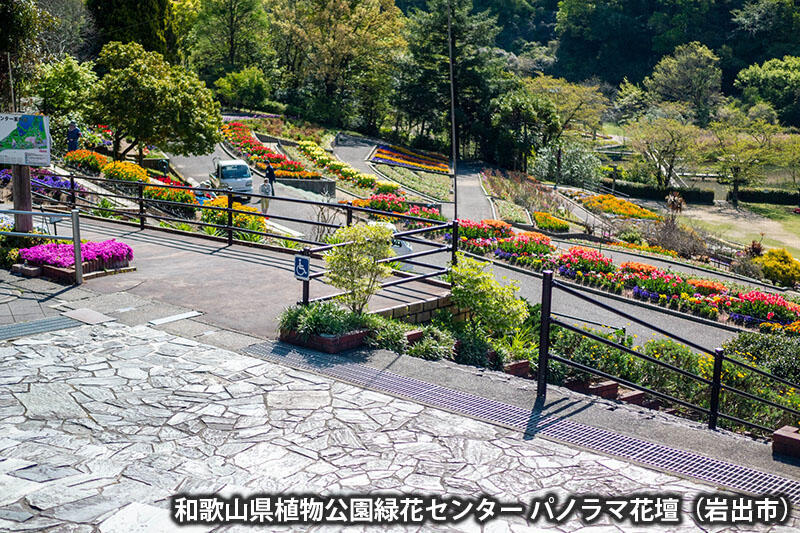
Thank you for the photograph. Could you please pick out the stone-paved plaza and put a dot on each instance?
(100, 425)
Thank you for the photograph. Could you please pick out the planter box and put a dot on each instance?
(605, 389)
(635, 397)
(68, 274)
(518, 368)
(326, 343)
(786, 441)
(29, 271)
(578, 386)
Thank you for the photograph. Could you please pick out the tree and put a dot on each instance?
(423, 96)
(72, 30)
(665, 142)
(228, 36)
(354, 267)
(142, 97)
(570, 164)
(692, 75)
(777, 82)
(631, 101)
(20, 48)
(64, 86)
(580, 107)
(247, 88)
(525, 121)
(147, 22)
(738, 150)
(335, 52)
(788, 156)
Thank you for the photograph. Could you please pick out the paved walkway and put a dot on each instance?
(100, 425)
(243, 288)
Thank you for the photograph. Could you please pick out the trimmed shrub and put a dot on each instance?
(650, 192)
(779, 267)
(768, 196)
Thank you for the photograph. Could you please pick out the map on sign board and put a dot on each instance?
(24, 140)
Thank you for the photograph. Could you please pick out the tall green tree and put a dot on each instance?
(143, 98)
(665, 143)
(524, 121)
(777, 82)
(20, 48)
(72, 29)
(423, 95)
(64, 86)
(147, 22)
(336, 53)
(739, 149)
(691, 74)
(228, 35)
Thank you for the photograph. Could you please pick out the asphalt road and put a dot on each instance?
(198, 168)
(578, 311)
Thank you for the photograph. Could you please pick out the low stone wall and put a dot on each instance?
(324, 186)
(422, 312)
(264, 138)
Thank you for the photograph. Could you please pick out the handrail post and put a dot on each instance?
(544, 336)
(141, 205)
(349, 215)
(307, 253)
(454, 243)
(72, 199)
(76, 241)
(716, 387)
(230, 218)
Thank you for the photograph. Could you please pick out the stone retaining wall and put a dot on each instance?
(422, 312)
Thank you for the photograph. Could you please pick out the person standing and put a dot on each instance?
(268, 187)
(271, 178)
(73, 134)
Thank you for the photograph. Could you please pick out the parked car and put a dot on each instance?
(232, 174)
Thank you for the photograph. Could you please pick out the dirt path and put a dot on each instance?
(741, 226)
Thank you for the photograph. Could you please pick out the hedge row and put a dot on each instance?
(768, 196)
(650, 192)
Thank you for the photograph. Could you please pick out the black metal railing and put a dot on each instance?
(143, 209)
(715, 386)
(436, 248)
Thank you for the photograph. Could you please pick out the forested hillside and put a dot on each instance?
(615, 39)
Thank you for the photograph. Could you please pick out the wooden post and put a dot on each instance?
(21, 186)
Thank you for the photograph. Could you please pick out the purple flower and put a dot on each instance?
(62, 255)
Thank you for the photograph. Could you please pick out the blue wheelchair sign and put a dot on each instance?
(301, 267)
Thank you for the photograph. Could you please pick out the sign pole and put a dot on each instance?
(21, 187)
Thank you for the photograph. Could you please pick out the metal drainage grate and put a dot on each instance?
(643, 452)
(23, 329)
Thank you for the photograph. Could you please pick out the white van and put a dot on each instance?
(233, 174)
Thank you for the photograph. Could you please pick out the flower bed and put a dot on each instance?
(486, 229)
(241, 138)
(403, 157)
(384, 202)
(704, 297)
(424, 212)
(511, 212)
(436, 186)
(85, 160)
(608, 203)
(548, 222)
(125, 171)
(107, 254)
(182, 196)
(43, 182)
(254, 222)
(644, 248)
